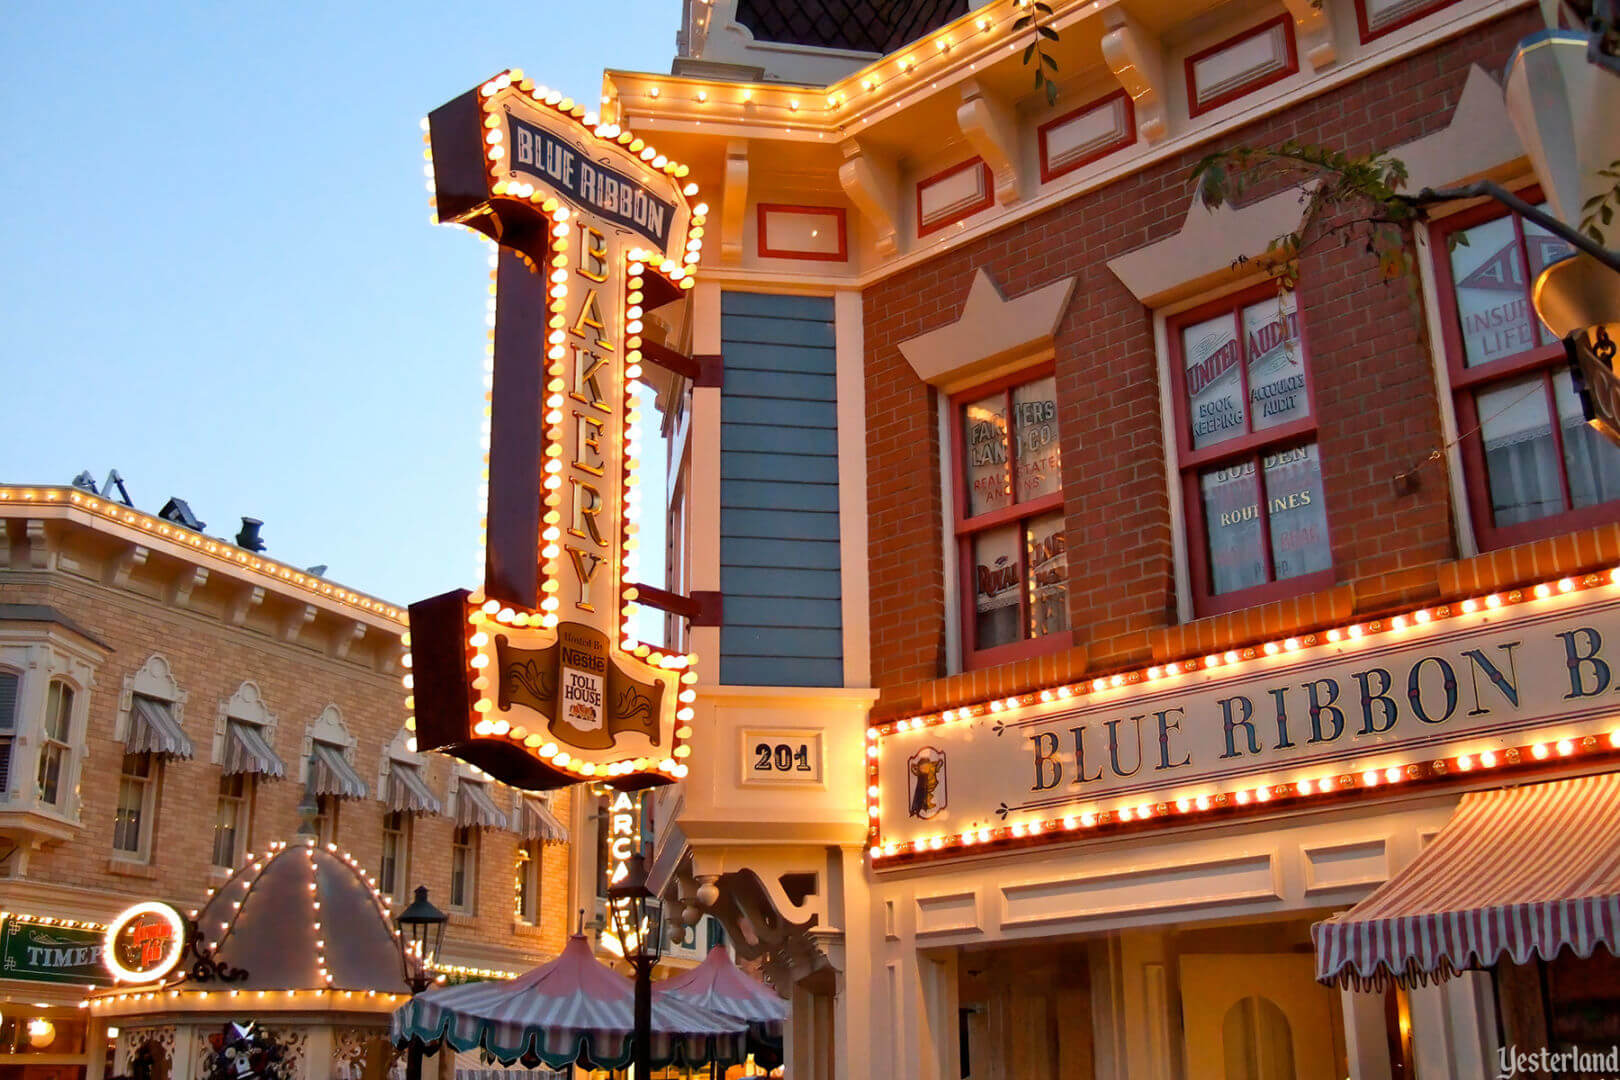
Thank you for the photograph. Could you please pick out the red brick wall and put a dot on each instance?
(1374, 388)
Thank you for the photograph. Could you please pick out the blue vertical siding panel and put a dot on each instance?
(779, 554)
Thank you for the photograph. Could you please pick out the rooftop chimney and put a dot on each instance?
(248, 538)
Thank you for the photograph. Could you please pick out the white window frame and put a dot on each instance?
(244, 819)
(526, 875)
(56, 746)
(8, 733)
(468, 903)
(147, 826)
(402, 857)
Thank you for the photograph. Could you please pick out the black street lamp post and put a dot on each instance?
(421, 932)
(638, 923)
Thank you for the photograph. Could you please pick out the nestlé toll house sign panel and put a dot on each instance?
(535, 677)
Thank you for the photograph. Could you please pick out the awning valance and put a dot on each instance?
(1515, 873)
(539, 824)
(154, 730)
(331, 774)
(408, 793)
(247, 751)
(474, 807)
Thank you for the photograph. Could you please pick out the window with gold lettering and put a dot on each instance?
(1532, 465)
(1009, 519)
(1251, 474)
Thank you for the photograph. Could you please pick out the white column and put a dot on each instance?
(938, 1039)
(95, 1046)
(184, 1064)
(318, 1052)
(1431, 1042)
(1366, 1035)
(1471, 1010)
(1454, 1027)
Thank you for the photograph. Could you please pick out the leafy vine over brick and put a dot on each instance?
(1360, 198)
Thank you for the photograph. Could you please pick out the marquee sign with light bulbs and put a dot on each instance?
(1495, 684)
(536, 677)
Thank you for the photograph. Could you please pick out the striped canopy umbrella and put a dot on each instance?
(574, 1010)
(718, 985)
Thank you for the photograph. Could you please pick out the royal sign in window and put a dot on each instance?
(1250, 471)
(1009, 519)
(1533, 467)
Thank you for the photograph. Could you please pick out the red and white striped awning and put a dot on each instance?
(1516, 872)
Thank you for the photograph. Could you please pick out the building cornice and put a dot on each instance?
(153, 534)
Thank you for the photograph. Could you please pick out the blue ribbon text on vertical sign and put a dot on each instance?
(565, 167)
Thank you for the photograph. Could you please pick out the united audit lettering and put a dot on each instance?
(547, 686)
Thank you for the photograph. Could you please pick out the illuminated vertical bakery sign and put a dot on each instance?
(536, 676)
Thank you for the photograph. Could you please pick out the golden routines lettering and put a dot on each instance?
(537, 677)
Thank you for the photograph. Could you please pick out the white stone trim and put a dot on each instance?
(153, 679)
(246, 705)
(328, 727)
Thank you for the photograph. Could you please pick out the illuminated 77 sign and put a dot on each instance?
(535, 677)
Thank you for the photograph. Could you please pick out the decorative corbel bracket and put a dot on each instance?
(344, 640)
(38, 555)
(125, 563)
(734, 202)
(1313, 28)
(873, 185)
(246, 599)
(186, 582)
(1134, 56)
(990, 128)
(295, 620)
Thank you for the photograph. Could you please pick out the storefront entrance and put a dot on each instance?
(1256, 1017)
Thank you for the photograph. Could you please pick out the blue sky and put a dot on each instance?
(219, 276)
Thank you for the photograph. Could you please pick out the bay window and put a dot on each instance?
(1532, 466)
(1010, 529)
(1250, 471)
(54, 746)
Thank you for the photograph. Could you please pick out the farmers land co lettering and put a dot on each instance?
(1420, 694)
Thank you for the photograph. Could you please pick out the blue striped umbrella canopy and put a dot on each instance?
(573, 1010)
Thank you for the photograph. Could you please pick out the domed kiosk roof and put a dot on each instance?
(302, 917)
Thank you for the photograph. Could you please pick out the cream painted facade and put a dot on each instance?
(1174, 951)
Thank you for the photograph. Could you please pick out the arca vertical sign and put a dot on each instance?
(535, 678)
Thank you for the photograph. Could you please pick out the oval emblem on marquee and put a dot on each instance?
(144, 942)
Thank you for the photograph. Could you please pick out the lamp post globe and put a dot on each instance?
(421, 933)
(637, 917)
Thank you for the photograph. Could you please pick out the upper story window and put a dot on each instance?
(1527, 476)
(1251, 475)
(137, 805)
(394, 867)
(464, 869)
(231, 815)
(526, 870)
(55, 747)
(1009, 519)
(8, 726)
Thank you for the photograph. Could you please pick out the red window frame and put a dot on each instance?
(1466, 382)
(1253, 446)
(967, 527)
